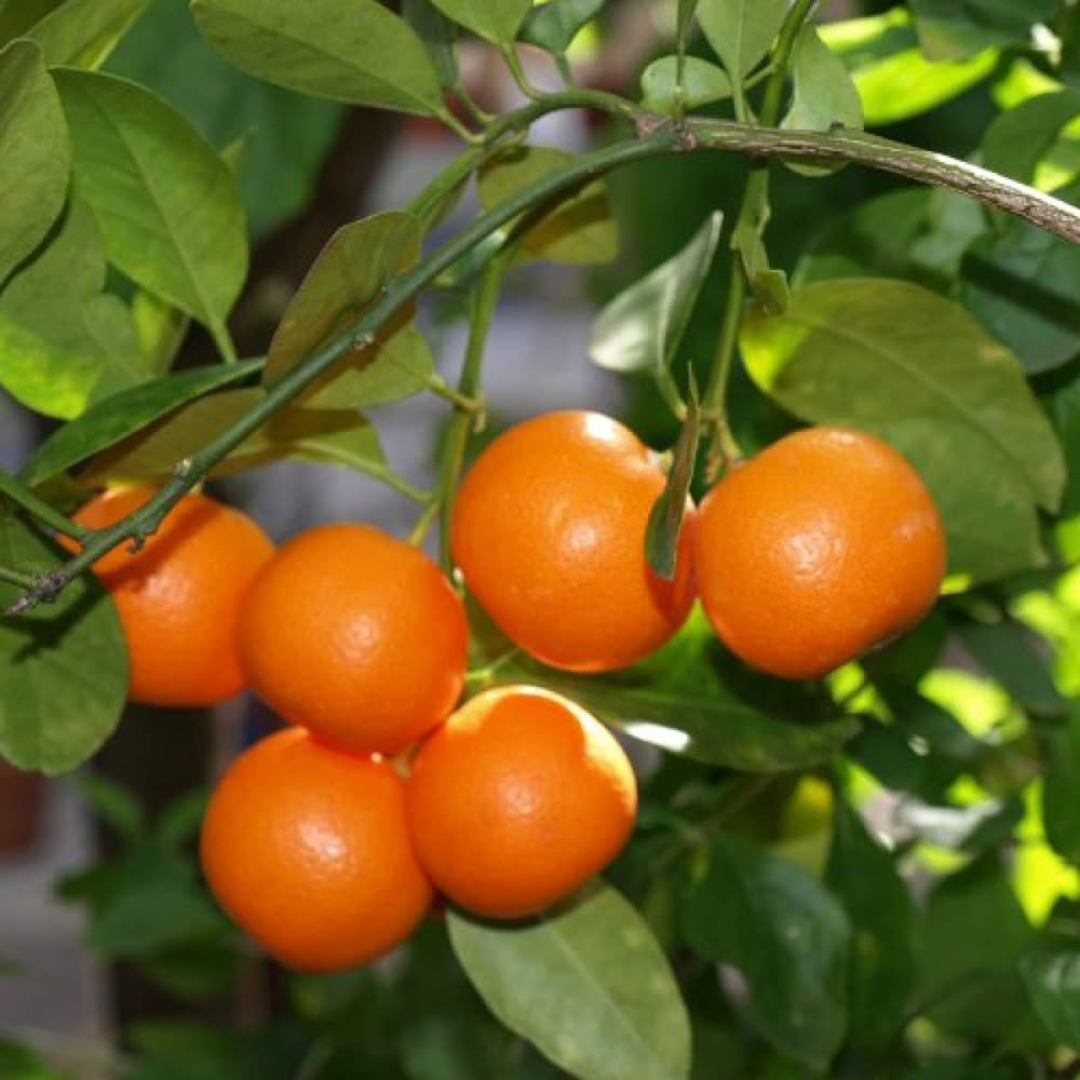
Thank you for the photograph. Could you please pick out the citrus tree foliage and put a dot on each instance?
(875, 875)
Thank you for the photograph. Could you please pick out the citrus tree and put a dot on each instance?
(849, 844)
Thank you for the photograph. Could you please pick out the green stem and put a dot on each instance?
(724, 449)
(13, 577)
(371, 468)
(224, 342)
(36, 507)
(439, 386)
(513, 62)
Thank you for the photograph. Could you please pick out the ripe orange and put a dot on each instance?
(549, 531)
(179, 598)
(821, 547)
(517, 800)
(356, 636)
(307, 849)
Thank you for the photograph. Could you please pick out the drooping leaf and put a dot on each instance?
(1020, 137)
(554, 25)
(115, 418)
(336, 49)
(589, 986)
(668, 515)
(951, 30)
(496, 20)
(741, 31)
(882, 958)
(702, 84)
(346, 278)
(580, 231)
(82, 33)
(787, 936)
(1052, 980)
(35, 158)
(166, 203)
(903, 363)
(439, 35)
(63, 666)
(64, 342)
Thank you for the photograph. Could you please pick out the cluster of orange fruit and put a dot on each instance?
(819, 548)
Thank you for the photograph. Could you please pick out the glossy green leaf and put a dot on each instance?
(35, 158)
(580, 231)
(115, 418)
(882, 959)
(787, 936)
(63, 341)
(63, 666)
(692, 699)
(588, 985)
(166, 203)
(1021, 137)
(347, 277)
(356, 51)
(554, 25)
(439, 36)
(641, 329)
(1060, 805)
(1052, 980)
(667, 518)
(496, 20)
(82, 33)
(901, 362)
(741, 31)
(952, 30)
(702, 84)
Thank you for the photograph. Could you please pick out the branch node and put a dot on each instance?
(183, 468)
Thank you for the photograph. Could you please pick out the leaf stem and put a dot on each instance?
(723, 449)
(36, 507)
(513, 63)
(224, 342)
(440, 387)
(373, 469)
(14, 577)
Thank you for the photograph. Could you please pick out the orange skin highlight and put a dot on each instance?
(306, 848)
(518, 800)
(179, 598)
(549, 530)
(820, 548)
(356, 636)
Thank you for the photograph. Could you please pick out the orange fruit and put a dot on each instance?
(356, 636)
(821, 547)
(307, 849)
(549, 530)
(517, 800)
(179, 597)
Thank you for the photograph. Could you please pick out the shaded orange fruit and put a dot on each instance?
(357, 636)
(307, 849)
(517, 800)
(549, 530)
(819, 548)
(179, 598)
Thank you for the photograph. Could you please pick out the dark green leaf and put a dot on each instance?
(63, 341)
(337, 49)
(63, 666)
(915, 369)
(115, 418)
(581, 230)
(787, 936)
(667, 517)
(82, 33)
(957, 29)
(881, 961)
(702, 84)
(20, 1063)
(166, 203)
(18, 16)
(439, 35)
(588, 985)
(1021, 137)
(35, 158)
(641, 329)
(1070, 48)
(741, 31)
(346, 278)
(113, 803)
(1060, 804)
(554, 25)
(1052, 980)
(182, 818)
(496, 20)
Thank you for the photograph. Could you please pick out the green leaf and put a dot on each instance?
(554, 25)
(346, 279)
(496, 20)
(181, 820)
(160, 328)
(589, 986)
(641, 329)
(957, 29)
(1021, 137)
(580, 231)
(19, 16)
(355, 51)
(1052, 980)
(109, 421)
(64, 342)
(82, 33)
(166, 203)
(1060, 806)
(882, 959)
(35, 158)
(113, 803)
(702, 84)
(667, 517)
(787, 936)
(439, 36)
(1070, 48)
(741, 31)
(63, 666)
(21, 1063)
(915, 369)
(691, 699)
